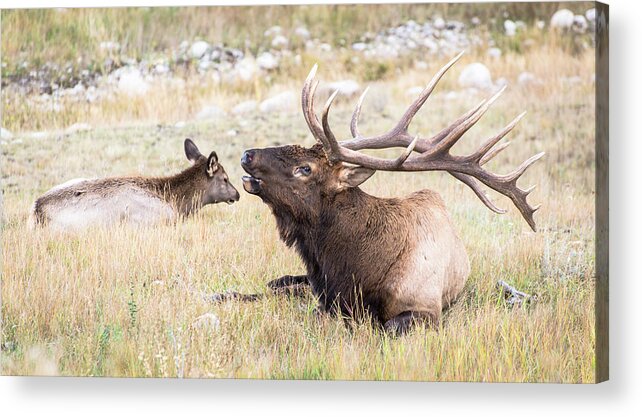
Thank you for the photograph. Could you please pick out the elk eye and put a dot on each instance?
(304, 170)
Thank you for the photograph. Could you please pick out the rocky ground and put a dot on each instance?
(49, 85)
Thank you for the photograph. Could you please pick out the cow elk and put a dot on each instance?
(393, 260)
(79, 203)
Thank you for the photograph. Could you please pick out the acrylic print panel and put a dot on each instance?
(121, 259)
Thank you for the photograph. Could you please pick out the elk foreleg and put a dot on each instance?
(289, 284)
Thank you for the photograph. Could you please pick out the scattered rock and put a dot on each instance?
(210, 112)
(180, 125)
(273, 31)
(245, 107)
(562, 19)
(110, 46)
(198, 49)
(283, 102)
(590, 15)
(421, 65)
(494, 52)
(414, 91)
(207, 321)
(527, 79)
(439, 23)
(475, 75)
(359, 46)
(232, 132)
(540, 24)
(131, 82)
(501, 82)
(78, 127)
(267, 61)
(346, 88)
(510, 27)
(280, 42)
(302, 33)
(247, 68)
(579, 23)
(5, 134)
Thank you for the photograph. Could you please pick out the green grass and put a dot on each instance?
(121, 302)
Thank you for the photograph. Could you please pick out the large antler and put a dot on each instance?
(433, 154)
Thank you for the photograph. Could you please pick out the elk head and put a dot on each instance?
(213, 182)
(300, 180)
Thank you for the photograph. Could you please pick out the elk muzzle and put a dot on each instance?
(251, 184)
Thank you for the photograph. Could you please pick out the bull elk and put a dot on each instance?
(137, 200)
(395, 260)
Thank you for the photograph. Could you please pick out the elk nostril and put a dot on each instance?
(247, 157)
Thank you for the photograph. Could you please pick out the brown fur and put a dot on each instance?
(205, 182)
(395, 260)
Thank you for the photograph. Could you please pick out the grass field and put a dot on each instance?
(124, 301)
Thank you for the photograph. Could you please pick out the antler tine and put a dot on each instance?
(483, 154)
(491, 154)
(332, 140)
(307, 104)
(338, 152)
(481, 194)
(434, 153)
(354, 129)
(458, 131)
(403, 124)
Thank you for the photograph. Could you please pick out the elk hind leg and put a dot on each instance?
(402, 323)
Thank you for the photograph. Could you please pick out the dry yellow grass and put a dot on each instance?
(123, 301)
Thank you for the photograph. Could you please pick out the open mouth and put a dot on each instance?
(252, 184)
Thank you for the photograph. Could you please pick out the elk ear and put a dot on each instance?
(191, 150)
(353, 176)
(212, 164)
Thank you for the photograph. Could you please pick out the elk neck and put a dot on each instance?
(182, 190)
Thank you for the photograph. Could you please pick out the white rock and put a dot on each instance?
(247, 68)
(198, 49)
(284, 102)
(421, 65)
(540, 24)
(207, 321)
(475, 21)
(245, 107)
(131, 82)
(494, 52)
(562, 19)
(279, 42)
(232, 132)
(267, 61)
(414, 91)
(346, 87)
(5, 134)
(579, 23)
(109, 46)
(302, 33)
(510, 27)
(475, 75)
(590, 15)
(161, 69)
(78, 127)
(210, 112)
(439, 23)
(325, 47)
(527, 78)
(180, 125)
(359, 46)
(501, 82)
(273, 31)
